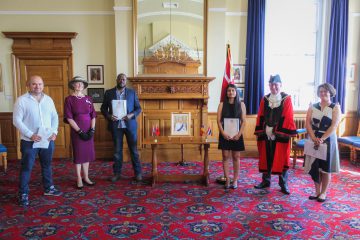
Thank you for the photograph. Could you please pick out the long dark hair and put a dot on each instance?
(226, 105)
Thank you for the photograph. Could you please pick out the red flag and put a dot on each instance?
(157, 131)
(227, 74)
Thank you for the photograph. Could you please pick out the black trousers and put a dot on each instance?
(270, 152)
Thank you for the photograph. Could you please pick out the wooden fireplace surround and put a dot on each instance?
(162, 95)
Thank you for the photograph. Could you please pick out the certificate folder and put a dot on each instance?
(231, 126)
(119, 108)
(319, 152)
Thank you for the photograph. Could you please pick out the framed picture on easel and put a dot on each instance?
(180, 124)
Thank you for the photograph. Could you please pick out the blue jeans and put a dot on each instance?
(28, 155)
(131, 138)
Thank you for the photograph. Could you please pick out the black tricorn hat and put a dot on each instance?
(275, 79)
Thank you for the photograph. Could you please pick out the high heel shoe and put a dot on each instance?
(314, 197)
(234, 185)
(319, 199)
(79, 186)
(89, 184)
(227, 185)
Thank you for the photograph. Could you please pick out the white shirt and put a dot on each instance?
(29, 115)
(274, 102)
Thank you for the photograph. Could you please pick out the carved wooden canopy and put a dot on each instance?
(171, 87)
(26, 43)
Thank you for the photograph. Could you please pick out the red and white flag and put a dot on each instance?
(153, 131)
(227, 74)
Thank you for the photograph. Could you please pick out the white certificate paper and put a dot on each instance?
(320, 153)
(119, 108)
(231, 126)
(44, 133)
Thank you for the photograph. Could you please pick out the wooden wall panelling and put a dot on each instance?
(104, 144)
(8, 134)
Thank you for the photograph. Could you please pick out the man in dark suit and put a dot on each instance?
(125, 126)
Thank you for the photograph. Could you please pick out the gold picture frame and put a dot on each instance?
(180, 123)
(95, 74)
(1, 80)
(238, 74)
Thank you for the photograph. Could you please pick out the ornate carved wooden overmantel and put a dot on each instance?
(164, 94)
(171, 87)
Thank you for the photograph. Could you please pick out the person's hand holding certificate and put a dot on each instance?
(231, 126)
(45, 134)
(119, 108)
(316, 151)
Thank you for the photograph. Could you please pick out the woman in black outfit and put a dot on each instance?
(231, 143)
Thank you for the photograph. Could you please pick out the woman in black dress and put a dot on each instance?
(231, 143)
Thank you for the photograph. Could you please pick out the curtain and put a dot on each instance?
(338, 37)
(254, 69)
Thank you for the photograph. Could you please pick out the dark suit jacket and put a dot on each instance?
(132, 105)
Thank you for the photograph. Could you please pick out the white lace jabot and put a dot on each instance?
(274, 100)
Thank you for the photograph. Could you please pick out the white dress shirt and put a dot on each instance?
(274, 102)
(30, 114)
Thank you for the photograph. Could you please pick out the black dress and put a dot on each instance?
(231, 145)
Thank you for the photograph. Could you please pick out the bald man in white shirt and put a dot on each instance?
(34, 111)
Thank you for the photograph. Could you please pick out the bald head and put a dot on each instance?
(35, 85)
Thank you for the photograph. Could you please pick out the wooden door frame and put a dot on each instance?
(39, 46)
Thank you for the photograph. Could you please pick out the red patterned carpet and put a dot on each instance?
(179, 210)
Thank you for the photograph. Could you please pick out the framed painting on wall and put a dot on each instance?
(241, 91)
(95, 74)
(97, 94)
(238, 74)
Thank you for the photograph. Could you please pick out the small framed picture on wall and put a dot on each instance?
(241, 92)
(238, 74)
(95, 74)
(97, 94)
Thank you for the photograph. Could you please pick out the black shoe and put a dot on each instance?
(285, 189)
(24, 200)
(314, 197)
(262, 185)
(115, 178)
(79, 187)
(321, 199)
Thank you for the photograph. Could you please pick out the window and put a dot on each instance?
(292, 49)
